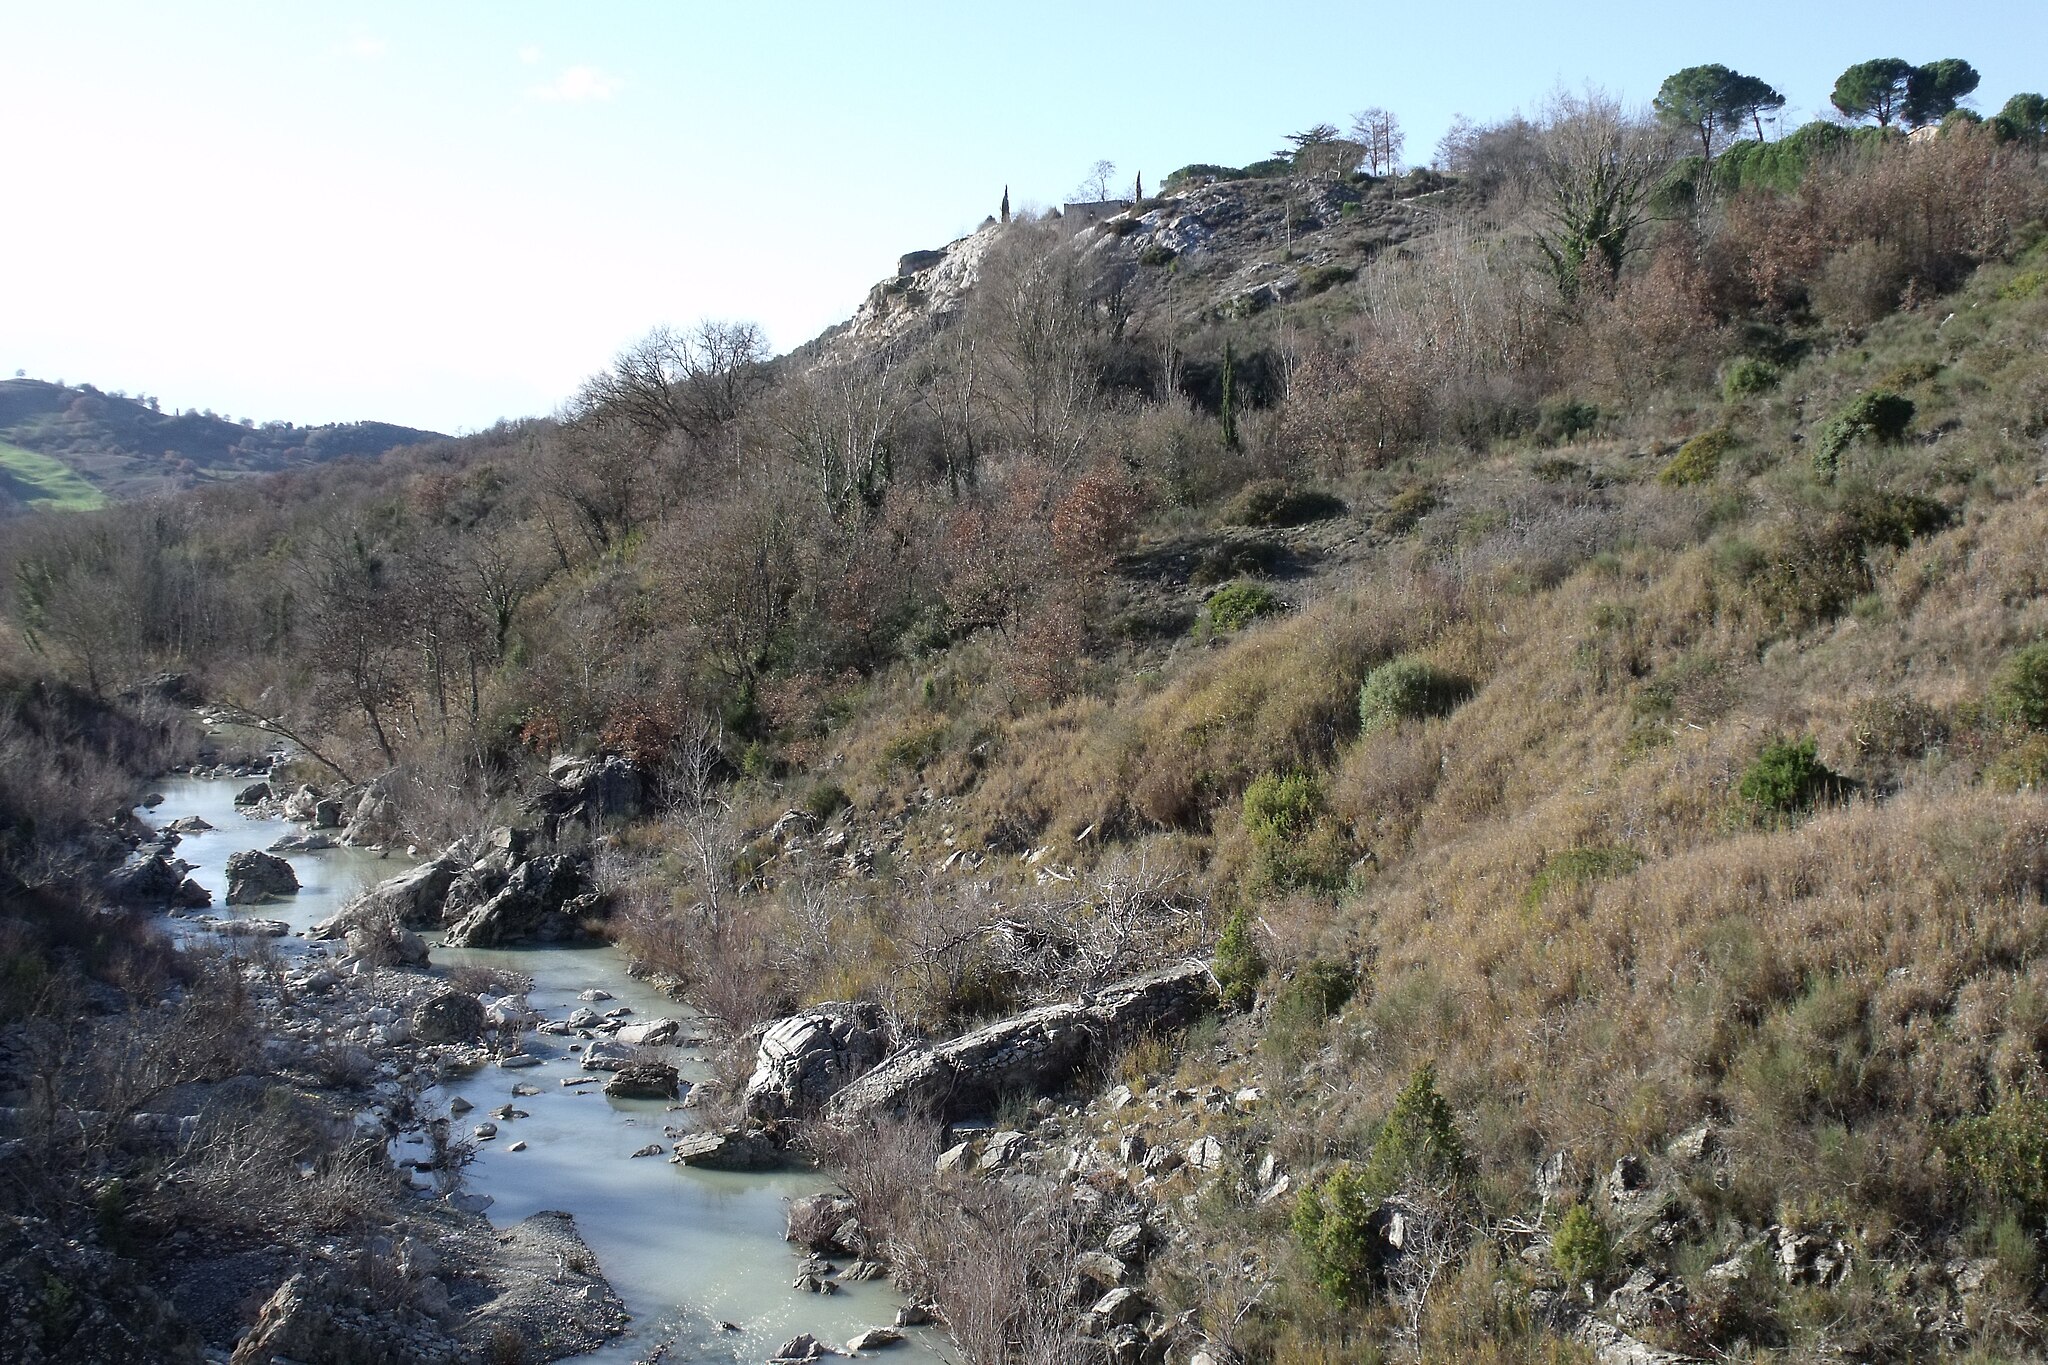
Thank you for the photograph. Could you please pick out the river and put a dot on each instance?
(685, 1249)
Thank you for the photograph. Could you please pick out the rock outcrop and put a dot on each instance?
(374, 821)
(150, 876)
(324, 1316)
(806, 1059)
(481, 893)
(1033, 1053)
(257, 877)
(605, 789)
(539, 900)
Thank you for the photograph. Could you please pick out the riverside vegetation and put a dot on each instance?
(1561, 634)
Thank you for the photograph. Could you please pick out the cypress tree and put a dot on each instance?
(1229, 397)
(1006, 203)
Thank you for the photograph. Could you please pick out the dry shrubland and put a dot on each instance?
(1771, 488)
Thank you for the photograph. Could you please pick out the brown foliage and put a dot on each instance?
(1912, 217)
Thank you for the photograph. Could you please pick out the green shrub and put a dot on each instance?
(1318, 278)
(825, 800)
(1818, 565)
(1747, 375)
(2019, 693)
(1884, 414)
(1907, 375)
(1419, 1143)
(1239, 965)
(1578, 866)
(1317, 992)
(1407, 507)
(1272, 502)
(1699, 459)
(1237, 605)
(2006, 1152)
(2024, 768)
(1565, 419)
(1224, 561)
(1295, 844)
(2024, 285)
(910, 750)
(1202, 170)
(1582, 1250)
(1403, 688)
(1880, 414)
(1156, 255)
(1278, 808)
(1333, 1223)
(1786, 778)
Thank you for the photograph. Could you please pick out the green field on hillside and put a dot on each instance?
(46, 484)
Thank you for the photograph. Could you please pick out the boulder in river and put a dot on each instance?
(250, 928)
(257, 877)
(874, 1338)
(375, 817)
(412, 899)
(254, 794)
(731, 1150)
(643, 1081)
(449, 1017)
(653, 1033)
(150, 876)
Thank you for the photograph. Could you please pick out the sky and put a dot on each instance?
(446, 213)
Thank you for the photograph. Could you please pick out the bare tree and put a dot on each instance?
(355, 628)
(1094, 187)
(694, 381)
(839, 422)
(1428, 1234)
(1036, 301)
(1600, 165)
(1379, 133)
(598, 472)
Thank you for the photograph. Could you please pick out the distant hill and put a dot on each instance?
(66, 447)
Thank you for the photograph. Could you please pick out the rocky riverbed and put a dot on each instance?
(533, 1099)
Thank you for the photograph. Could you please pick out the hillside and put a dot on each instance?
(1564, 690)
(73, 447)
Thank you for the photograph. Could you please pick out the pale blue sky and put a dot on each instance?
(445, 213)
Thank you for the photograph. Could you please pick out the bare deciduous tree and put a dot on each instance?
(1600, 165)
(693, 381)
(1094, 187)
(1379, 133)
(840, 425)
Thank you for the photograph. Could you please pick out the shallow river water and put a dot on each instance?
(685, 1249)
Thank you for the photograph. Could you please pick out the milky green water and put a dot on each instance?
(685, 1249)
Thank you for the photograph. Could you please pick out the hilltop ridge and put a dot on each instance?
(65, 447)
